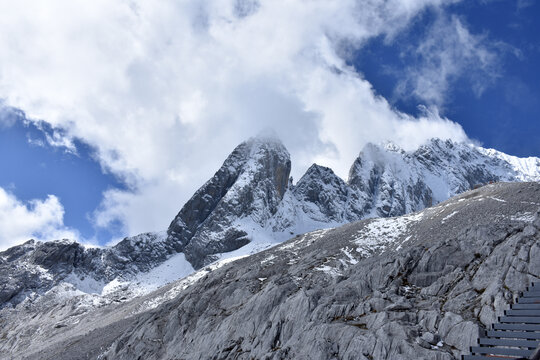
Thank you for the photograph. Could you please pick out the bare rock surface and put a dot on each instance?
(419, 286)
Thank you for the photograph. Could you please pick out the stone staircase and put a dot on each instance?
(517, 334)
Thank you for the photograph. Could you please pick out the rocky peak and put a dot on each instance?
(328, 192)
(268, 161)
(391, 181)
(315, 179)
(249, 185)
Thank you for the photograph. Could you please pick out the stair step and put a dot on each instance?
(518, 332)
(528, 300)
(525, 306)
(529, 294)
(522, 312)
(518, 327)
(500, 351)
(520, 319)
(514, 334)
(532, 344)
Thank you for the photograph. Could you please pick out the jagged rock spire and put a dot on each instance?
(249, 186)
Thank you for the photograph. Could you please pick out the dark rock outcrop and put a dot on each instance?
(249, 185)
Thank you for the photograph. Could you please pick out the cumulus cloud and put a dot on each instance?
(164, 90)
(448, 52)
(37, 219)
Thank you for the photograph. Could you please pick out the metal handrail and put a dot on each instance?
(536, 355)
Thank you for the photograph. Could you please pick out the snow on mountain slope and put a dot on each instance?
(250, 204)
(32, 269)
(421, 286)
(387, 181)
(525, 169)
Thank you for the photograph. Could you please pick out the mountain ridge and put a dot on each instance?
(251, 204)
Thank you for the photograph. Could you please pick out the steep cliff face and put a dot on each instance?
(245, 191)
(420, 286)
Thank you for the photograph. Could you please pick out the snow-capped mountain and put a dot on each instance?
(392, 182)
(251, 204)
(250, 201)
(32, 269)
(245, 192)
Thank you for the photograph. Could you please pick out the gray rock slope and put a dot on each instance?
(420, 286)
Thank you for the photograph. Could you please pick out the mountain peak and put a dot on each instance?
(249, 185)
(393, 147)
(263, 145)
(267, 136)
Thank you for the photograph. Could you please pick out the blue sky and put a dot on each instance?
(113, 114)
(33, 169)
(505, 116)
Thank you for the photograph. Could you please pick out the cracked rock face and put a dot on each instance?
(420, 286)
(250, 184)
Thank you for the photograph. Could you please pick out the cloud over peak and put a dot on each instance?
(450, 52)
(163, 90)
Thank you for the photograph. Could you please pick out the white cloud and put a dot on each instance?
(8, 116)
(449, 52)
(164, 90)
(37, 219)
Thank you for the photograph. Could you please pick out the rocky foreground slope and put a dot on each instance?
(420, 286)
